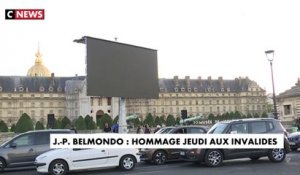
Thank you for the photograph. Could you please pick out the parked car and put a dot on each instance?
(22, 149)
(215, 157)
(294, 140)
(164, 130)
(161, 156)
(62, 161)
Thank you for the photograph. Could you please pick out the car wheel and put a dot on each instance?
(58, 167)
(127, 162)
(159, 157)
(277, 155)
(214, 158)
(294, 149)
(2, 164)
(254, 157)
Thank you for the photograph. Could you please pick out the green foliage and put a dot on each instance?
(136, 122)
(149, 120)
(24, 124)
(211, 117)
(237, 115)
(170, 120)
(256, 115)
(163, 119)
(57, 123)
(116, 119)
(64, 122)
(249, 115)
(80, 123)
(39, 125)
(105, 119)
(90, 124)
(13, 128)
(177, 122)
(3, 126)
(157, 121)
(264, 115)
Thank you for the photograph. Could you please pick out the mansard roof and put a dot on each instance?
(34, 84)
(207, 85)
(293, 92)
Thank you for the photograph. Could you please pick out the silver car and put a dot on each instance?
(22, 149)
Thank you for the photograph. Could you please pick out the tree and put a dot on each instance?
(249, 115)
(57, 123)
(116, 120)
(80, 123)
(170, 120)
(211, 117)
(13, 128)
(89, 122)
(256, 115)
(157, 121)
(163, 119)
(264, 115)
(149, 120)
(64, 122)
(136, 122)
(39, 125)
(105, 119)
(24, 124)
(177, 122)
(237, 115)
(3, 126)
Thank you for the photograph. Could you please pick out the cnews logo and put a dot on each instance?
(25, 14)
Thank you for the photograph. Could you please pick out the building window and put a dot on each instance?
(177, 103)
(50, 89)
(92, 101)
(42, 89)
(176, 89)
(9, 104)
(51, 105)
(21, 104)
(99, 101)
(42, 113)
(32, 95)
(32, 113)
(109, 101)
(32, 104)
(287, 109)
(171, 110)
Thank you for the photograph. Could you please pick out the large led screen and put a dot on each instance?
(120, 70)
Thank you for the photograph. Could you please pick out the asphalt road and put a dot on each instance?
(291, 166)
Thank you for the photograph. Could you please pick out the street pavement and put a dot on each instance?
(290, 166)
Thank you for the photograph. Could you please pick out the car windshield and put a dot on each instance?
(218, 128)
(163, 130)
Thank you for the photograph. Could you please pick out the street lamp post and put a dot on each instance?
(270, 56)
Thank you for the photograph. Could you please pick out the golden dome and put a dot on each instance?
(38, 69)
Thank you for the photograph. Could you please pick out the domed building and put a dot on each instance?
(38, 69)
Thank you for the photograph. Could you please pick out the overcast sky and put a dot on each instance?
(193, 37)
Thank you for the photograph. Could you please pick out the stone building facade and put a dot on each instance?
(288, 103)
(202, 96)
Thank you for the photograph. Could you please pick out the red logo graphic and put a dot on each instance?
(25, 14)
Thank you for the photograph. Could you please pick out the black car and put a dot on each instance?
(294, 140)
(22, 149)
(161, 156)
(215, 157)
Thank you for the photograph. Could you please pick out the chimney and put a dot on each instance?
(200, 80)
(187, 81)
(209, 80)
(221, 82)
(176, 81)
